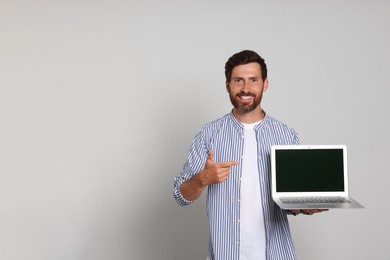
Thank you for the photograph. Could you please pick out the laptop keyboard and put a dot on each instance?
(310, 200)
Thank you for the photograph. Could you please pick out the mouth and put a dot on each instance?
(245, 98)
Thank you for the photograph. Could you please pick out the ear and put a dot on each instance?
(265, 85)
(227, 86)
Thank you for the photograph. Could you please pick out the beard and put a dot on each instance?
(245, 107)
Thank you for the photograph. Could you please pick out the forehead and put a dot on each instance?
(247, 70)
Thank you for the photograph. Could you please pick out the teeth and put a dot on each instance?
(246, 97)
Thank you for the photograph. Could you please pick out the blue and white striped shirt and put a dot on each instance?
(225, 136)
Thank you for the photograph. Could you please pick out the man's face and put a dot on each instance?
(246, 87)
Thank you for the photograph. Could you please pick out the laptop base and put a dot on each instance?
(352, 204)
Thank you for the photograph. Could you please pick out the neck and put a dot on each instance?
(250, 117)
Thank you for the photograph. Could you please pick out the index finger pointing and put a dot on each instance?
(227, 164)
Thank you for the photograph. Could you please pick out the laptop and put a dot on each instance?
(310, 177)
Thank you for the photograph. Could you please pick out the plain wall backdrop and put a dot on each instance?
(100, 100)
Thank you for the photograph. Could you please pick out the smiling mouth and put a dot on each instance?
(245, 98)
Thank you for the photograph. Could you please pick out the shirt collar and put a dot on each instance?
(241, 126)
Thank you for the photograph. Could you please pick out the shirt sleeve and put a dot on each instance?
(196, 159)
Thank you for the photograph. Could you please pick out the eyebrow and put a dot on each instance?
(255, 77)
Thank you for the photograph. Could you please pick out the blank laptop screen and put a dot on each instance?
(309, 170)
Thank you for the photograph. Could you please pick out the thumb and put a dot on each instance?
(211, 156)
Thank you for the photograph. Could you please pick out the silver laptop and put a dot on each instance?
(310, 177)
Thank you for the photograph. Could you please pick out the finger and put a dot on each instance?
(227, 164)
(320, 210)
(211, 156)
(313, 211)
(306, 212)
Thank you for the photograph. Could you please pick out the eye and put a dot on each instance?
(237, 81)
(254, 80)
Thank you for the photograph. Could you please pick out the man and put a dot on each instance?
(231, 157)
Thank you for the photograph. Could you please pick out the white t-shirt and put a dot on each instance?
(252, 230)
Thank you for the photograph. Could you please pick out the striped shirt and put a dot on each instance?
(225, 136)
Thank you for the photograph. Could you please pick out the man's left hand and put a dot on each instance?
(306, 211)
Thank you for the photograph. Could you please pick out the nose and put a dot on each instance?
(245, 87)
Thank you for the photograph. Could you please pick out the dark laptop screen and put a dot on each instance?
(309, 170)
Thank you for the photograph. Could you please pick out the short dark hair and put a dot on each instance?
(245, 57)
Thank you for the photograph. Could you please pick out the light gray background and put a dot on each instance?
(100, 100)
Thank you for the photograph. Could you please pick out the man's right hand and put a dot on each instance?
(215, 172)
(212, 173)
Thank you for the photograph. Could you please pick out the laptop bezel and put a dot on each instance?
(277, 195)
